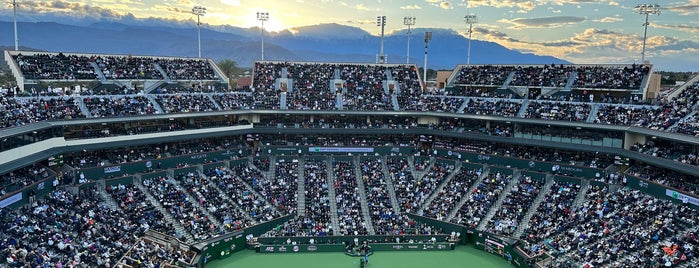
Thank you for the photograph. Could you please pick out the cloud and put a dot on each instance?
(609, 19)
(681, 27)
(443, 4)
(361, 7)
(685, 9)
(543, 22)
(411, 7)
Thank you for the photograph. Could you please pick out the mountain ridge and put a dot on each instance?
(321, 42)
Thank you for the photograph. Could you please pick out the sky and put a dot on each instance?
(580, 31)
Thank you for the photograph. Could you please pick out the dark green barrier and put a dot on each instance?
(301, 248)
(473, 166)
(264, 227)
(224, 247)
(567, 179)
(294, 150)
(115, 182)
(446, 227)
(503, 170)
(87, 185)
(350, 239)
(538, 166)
(151, 175)
(211, 166)
(163, 163)
(411, 246)
(658, 191)
(599, 183)
(184, 171)
(533, 174)
(21, 197)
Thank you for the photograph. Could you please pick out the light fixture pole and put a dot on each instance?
(262, 17)
(381, 22)
(408, 21)
(646, 9)
(470, 19)
(14, 10)
(428, 37)
(199, 11)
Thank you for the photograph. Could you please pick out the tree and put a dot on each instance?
(230, 69)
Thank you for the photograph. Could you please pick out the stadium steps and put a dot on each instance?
(498, 203)
(593, 112)
(98, 71)
(162, 72)
(571, 80)
(258, 194)
(108, 200)
(524, 224)
(301, 182)
(584, 187)
(468, 194)
(362, 195)
(523, 110)
(435, 193)
(179, 229)
(83, 108)
(687, 117)
(195, 199)
(331, 195)
(463, 106)
(389, 186)
(232, 202)
(394, 101)
(154, 103)
(152, 87)
(211, 98)
(508, 80)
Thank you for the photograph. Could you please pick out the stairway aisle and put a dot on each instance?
(362, 194)
(466, 197)
(179, 229)
(331, 195)
(498, 203)
(457, 169)
(524, 223)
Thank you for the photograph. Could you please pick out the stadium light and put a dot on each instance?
(470, 19)
(428, 37)
(381, 22)
(408, 21)
(199, 11)
(262, 17)
(14, 10)
(646, 9)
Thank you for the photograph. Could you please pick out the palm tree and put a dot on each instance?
(230, 69)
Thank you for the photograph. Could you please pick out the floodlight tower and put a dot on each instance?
(14, 10)
(199, 11)
(408, 21)
(381, 22)
(470, 19)
(428, 37)
(262, 17)
(646, 9)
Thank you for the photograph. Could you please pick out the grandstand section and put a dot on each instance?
(330, 156)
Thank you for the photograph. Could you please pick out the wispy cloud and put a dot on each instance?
(411, 7)
(543, 22)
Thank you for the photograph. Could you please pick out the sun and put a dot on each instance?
(272, 24)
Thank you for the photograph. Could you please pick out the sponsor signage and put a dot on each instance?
(682, 197)
(340, 149)
(11, 200)
(112, 169)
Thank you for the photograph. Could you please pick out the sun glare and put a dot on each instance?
(272, 24)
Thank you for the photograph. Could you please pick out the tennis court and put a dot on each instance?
(462, 256)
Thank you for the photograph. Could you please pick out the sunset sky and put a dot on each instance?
(580, 31)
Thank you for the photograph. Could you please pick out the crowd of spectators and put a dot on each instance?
(483, 75)
(481, 199)
(577, 112)
(235, 187)
(551, 216)
(494, 107)
(316, 221)
(610, 229)
(148, 253)
(231, 203)
(175, 199)
(64, 229)
(542, 76)
(137, 209)
(451, 194)
(668, 150)
(185, 103)
(611, 77)
(677, 180)
(431, 104)
(515, 205)
(383, 217)
(348, 199)
(22, 111)
(59, 66)
(119, 106)
(187, 69)
(120, 67)
(23, 177)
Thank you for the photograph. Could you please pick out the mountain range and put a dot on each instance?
(323, 42)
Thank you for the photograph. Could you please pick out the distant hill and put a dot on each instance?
(323, 42)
